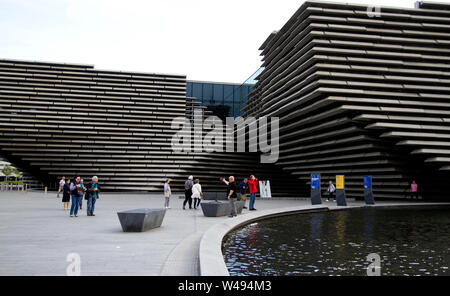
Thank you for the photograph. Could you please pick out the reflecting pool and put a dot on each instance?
(409, 241)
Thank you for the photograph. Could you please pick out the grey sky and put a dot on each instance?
(206, 40)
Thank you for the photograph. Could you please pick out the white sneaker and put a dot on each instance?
(328, 200)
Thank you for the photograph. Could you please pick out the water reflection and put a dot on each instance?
(316, 224)
(409, 241)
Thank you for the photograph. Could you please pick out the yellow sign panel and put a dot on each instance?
(339, 181)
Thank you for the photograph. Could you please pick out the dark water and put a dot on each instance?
(409, 241)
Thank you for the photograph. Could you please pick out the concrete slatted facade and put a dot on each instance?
(66, 119)
(359, 94)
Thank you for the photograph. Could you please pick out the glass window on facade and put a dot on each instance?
(215, 94)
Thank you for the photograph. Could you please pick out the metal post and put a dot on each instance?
(45, 189)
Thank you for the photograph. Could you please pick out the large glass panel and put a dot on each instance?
(197, 90)
(189, 89)
(228, 93)
(218, 93)
(207, 92)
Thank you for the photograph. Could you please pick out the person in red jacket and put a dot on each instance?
(253, 188)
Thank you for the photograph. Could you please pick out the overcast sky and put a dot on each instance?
(205, 40)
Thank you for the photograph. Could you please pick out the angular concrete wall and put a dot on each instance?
(65, 119)
(361, 93)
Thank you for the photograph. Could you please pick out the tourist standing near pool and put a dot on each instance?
(197, 193)
(76, 192)
(188, 192)
(61, 185)
(167, 193)
(253, 188)
(66, 194)
(92, 194)
(331, 189)
(414, 190)
(243, 189)
(231, 194)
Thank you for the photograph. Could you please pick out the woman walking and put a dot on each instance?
(167, 193)
(197, 193)
(66, 194)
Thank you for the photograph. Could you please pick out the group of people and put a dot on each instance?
(193, 192)
(75, 190)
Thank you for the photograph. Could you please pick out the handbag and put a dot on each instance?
(166, 194)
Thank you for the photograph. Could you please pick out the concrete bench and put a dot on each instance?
(215, 195)
(139, 220)
(220, 208)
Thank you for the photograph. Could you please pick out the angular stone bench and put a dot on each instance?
(139, 220)
(215, 195)
(220, 208)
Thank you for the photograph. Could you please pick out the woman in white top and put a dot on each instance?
(197, 193)
(167, 193)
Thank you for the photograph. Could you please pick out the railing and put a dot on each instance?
(13, 186)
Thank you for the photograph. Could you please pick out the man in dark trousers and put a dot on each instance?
(92, 194)
(188, 192)
(231, 194)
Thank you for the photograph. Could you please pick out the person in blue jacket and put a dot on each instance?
(243, 189)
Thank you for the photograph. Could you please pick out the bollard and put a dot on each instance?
(26, 187)
(315, 190)
(368, 194)
(45, 189)
(340, 191)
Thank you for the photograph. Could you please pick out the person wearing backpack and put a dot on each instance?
(188, 192)
(331, 189)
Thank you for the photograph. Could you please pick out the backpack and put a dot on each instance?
(187, 185)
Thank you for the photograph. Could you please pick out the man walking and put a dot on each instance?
(188, 192)
(331, 189)
(243, 189)
(253, 188)
(61, 185)
(231, 194)
(92, 195)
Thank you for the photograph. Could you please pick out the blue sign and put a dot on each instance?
(315, 181)
(367, 182)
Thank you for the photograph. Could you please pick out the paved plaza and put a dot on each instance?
(36, 235)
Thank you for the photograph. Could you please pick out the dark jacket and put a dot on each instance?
(66, 190)
(241, 187)
(90, 190)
